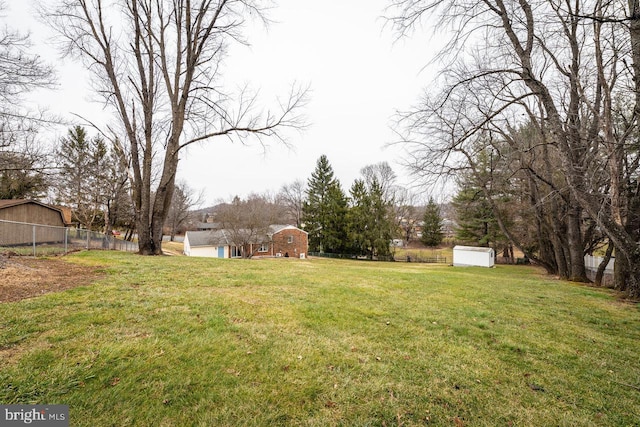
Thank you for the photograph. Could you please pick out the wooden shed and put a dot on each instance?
(21, 217)
(466, 256)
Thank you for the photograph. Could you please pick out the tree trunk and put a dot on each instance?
(578, 272)
(603, 265)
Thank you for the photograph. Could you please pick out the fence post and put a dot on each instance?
(34, 240)
(66, 239)
(88, 241)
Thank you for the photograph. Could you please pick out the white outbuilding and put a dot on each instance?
(466, 256)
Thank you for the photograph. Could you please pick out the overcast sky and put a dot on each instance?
(358, 73)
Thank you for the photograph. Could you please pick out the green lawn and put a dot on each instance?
(178, 341)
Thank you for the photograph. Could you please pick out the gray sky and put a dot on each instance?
(358, 74)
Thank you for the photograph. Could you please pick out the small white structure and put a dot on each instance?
(211, 243)
(466, 256)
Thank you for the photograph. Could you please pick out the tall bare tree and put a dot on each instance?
(158, 64)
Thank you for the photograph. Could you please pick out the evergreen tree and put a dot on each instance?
(335, 235)
(432, 228)
(476, 222)
(83, 181)
(370, 226)
(324, 211)
(381, 223)
(21, 176)
(357, 218)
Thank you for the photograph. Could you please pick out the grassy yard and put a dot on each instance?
(177, 341)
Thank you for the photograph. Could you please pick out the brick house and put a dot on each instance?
(279, 241)
(287, 241)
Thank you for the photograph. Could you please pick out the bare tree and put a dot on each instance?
(385, 176)
(24, 165)
(292, 197)
(184, 200)
(247, 222)
(21, 72)
(407, 217)
(158, 64)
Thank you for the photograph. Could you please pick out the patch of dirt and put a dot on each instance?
(26, 277)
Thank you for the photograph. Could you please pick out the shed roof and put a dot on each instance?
(207, 238)
(65, 213)
(6, 203)
(472, 248)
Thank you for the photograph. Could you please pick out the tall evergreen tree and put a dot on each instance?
(432, 225)
(358, 218)
(324, 211)
(335, 235)
(381, 229)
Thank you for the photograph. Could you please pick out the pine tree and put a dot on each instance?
(83, 179)
(432, 228)
(477, 224)
(335, 235)
(381, 226)
(324, 211)
(357, 218)
(369, 220)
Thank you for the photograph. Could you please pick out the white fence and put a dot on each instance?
(593, 262)
(35, 239)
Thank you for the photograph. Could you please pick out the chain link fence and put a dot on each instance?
(40, 240)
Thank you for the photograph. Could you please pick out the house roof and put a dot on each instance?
(207, 238)
(277, 228)
(208, 225)
(221, 237)
(65, 213)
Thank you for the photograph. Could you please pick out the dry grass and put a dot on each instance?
(26, 277)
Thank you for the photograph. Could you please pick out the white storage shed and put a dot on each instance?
(466, 256)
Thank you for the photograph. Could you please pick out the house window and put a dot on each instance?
(264, 247)
(290, 239)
